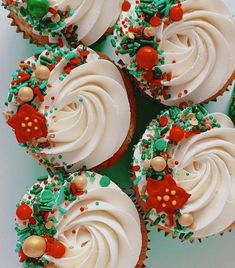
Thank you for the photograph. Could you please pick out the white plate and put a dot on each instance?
(18, 171)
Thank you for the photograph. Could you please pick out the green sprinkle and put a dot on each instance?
(60, 197)
(63, 211)
(105, 181)
(160, 145)
(46, 196)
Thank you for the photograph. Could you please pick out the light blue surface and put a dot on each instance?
(18, 172)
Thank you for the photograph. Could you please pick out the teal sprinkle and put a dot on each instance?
(60, 197)
(71, 55)
(71, 12)
(63, 211)
(137, 180)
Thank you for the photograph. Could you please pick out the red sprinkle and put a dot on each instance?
(163, 121)
(135, 168)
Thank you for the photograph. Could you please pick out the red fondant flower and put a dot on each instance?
(28, 123)
(165, 196)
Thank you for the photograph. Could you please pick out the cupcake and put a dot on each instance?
(47, 21)
(178, 51)
(184, 173)
(83, 221)
(71, 108)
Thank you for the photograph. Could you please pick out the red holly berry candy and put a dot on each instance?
(176, 13)
(24, 212)
(56, 249)
(176, 134)
(146, 57)
(155, 21)
(163, 121)
(126, 6)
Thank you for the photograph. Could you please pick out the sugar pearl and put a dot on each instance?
(158, 163)
(34, 246)
(80, 182)
(25, 94)
(42, 72)
(186, 220)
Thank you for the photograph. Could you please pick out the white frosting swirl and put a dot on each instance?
(209, 160)
(202, 44)
(106, 234)
(93, 17)
(92, 116)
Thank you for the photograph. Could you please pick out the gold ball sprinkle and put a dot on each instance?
(174, 203)
(80, 182)
(42, 72)
(158, 163)
(34, 246)
(186, 220)
(159, 198)
(25, 94)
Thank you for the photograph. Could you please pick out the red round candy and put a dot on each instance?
(24, 212)
(155, 21)
(176, 134)
(56, 249)
(163, 121)
(176, 13)
(146, 57)
(126, 6)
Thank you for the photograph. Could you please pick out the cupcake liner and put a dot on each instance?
(26, 29)
(222, 90)
(40, 40)
(214, 98)
(145, 229)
